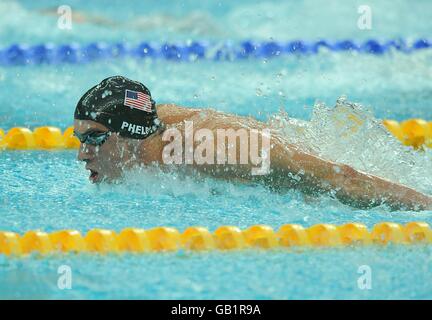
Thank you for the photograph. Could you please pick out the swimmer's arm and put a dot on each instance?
(288, 163)
(351, 186)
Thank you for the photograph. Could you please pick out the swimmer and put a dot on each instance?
(194, 23)
(120, 128)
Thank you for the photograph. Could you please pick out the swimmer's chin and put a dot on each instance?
(98, 178)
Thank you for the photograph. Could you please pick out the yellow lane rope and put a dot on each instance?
(161, 239)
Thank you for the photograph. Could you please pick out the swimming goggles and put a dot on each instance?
(93, 138)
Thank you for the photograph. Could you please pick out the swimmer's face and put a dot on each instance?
(105, 162)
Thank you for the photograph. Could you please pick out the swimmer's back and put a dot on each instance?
(171, 114)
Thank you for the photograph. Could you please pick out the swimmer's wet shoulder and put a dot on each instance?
(172, 114)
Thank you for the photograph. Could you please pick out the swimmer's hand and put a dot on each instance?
(366, 190)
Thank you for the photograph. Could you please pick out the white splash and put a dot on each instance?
(349, 133)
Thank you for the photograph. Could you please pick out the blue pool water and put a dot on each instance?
(50, 190)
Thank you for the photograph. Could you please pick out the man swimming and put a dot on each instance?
(120, 128)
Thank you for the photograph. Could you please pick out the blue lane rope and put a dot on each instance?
(19, 54)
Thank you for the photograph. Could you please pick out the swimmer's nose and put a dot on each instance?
(84, 153)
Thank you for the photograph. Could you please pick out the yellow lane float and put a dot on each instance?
(133, 240)
(101, 240)
(9, 243)
(354, 233)
(36, 241)
(229, 237)
(324, 235)
(412, 132)
(164, 239)
(291, 235)
(197, 238)
(19, 139)
(260, 236)
(48, 138)
(67, 240)
(385, 232)
(42, 138)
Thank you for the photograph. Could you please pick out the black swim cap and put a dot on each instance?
(122, 105)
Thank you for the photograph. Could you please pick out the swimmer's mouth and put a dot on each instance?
(94, 175)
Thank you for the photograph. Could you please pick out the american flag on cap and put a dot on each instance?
(137, 100)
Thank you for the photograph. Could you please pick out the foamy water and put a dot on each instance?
(349, 133)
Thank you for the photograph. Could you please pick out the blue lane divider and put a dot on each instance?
(18, 54)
